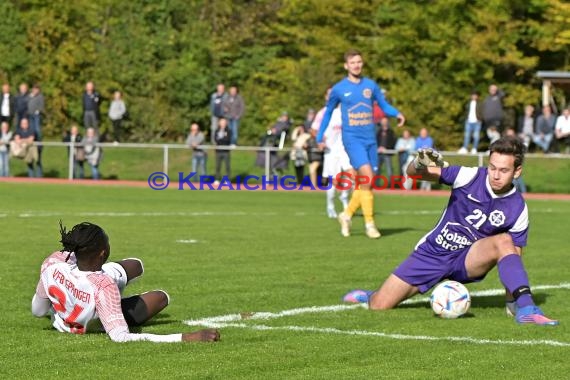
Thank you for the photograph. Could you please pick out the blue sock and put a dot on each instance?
(514, 277)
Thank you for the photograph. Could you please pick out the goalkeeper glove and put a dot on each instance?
(429, 157)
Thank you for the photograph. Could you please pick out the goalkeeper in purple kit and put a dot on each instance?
(484, 224)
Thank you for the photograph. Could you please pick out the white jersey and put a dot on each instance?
(335, 159)
(333, 134)
(79, 298)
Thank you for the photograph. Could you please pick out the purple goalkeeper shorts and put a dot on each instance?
(426, 270)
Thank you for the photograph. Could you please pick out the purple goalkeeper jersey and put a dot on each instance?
(474, 212)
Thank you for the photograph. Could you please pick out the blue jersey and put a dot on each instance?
(357, 105)
(474, 212)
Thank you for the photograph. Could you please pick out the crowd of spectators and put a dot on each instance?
(21, 128)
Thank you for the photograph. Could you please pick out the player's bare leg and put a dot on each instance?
(500, 250)
(393, 291)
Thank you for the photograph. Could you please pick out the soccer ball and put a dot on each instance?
(450, 299)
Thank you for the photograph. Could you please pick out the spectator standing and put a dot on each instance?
(217, 109)
(424, 141)
(93, 152)
(309, 119)
(526, 125)
(234, 108)
(36, 105)
(8, 104)
(21, 104)
(405, 146)
(117, 111)
(5, 137)
(199, 156)
(472, 124)
(315, 156)
(544, 129)
(386, 140)
(73, 136)
(223, 138)
(91, 104)
(298, 153)
(493, 113)
(562, 131)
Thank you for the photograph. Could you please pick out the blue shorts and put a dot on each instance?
(361, 153)
(426, 270)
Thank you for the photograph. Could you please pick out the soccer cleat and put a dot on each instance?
(345, 224)
(357, 296)
(533, 315)
(372, 232)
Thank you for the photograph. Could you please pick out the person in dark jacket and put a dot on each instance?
(386, 140)
(223, 138)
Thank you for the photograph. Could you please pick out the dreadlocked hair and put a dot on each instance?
(84, 239)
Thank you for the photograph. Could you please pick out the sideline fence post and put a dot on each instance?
(165, 160)
(71, 161)
(267, 161)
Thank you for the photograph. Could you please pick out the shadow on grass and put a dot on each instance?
(499, 300)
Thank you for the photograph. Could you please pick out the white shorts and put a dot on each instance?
(117, 273)
(335, 163)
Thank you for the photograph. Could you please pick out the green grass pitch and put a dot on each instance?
(228, 252)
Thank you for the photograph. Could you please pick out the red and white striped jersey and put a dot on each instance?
(80, 297)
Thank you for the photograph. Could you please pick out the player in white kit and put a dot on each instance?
(81, 291)
(336, 161)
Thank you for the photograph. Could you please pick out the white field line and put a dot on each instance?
(40, 214)
(331, 330)
(187, 241)
(230, 320)
(335, 308)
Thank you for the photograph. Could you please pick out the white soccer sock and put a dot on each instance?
(330, 198)
(344, 198)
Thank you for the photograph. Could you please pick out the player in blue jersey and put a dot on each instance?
(484, 224)
(356, 95)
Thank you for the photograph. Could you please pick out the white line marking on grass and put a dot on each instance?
(335, 308)
(188, 241)
(263, 315)
(331, 330)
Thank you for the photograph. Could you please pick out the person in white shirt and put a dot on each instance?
(562, 131)
(5, 137)
(472, 124)
(335, 162)
(81, 291)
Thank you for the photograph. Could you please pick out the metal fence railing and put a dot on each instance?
(269, 152)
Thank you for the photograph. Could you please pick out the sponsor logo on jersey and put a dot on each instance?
(454, 236)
